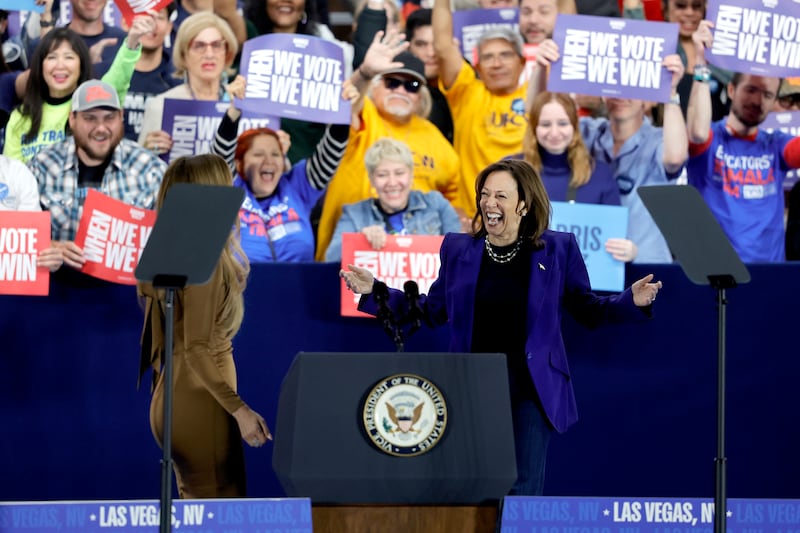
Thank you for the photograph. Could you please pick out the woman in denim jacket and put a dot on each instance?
(397, 210)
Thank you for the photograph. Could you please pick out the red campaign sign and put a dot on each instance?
(112, 235)
(23, 234)
(529, 51)
(130, 8)
(405, 257)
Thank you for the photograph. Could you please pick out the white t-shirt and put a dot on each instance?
(18, 188)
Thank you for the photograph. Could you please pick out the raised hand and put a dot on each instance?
(381, 53)
(143, 24)
(644, 291)
(357, 279)
(703, 37)
(674, 64)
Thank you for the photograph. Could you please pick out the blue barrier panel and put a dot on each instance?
(287, 515)
(75, 427)
(531, 514)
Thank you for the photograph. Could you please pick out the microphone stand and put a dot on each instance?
(415, 314)
(386, 316)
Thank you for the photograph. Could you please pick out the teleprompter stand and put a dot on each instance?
(707, 258)
(184, 249)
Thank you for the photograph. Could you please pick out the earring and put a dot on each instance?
(523, 212)
(304, 18)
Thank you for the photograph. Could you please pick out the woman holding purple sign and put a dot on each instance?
(204, 50)
(275, 218)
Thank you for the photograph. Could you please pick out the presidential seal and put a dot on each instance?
(405, 415)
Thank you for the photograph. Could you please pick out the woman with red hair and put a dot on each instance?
(275, 217)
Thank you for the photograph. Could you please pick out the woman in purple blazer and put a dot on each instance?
(502, 289)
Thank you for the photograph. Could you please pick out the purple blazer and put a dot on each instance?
(558, 280)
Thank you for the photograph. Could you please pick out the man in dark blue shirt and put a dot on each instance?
(153, 74)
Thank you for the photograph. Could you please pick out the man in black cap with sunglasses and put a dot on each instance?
(396, 105)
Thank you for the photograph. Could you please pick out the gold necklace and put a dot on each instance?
(502, 258)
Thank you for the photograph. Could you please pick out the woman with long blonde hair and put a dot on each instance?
(209, 417)
(555, 149)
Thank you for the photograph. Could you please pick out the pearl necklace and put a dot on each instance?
(502, 258)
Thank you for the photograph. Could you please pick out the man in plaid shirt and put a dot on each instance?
(95, 156)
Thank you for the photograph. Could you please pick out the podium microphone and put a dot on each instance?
(415, 314)
(381, 294)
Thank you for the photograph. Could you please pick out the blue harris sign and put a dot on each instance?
(593, 225)
(21, 5)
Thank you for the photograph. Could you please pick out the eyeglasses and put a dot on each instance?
(200, 46)
(502, 57)
(411, 86)
(789, 101)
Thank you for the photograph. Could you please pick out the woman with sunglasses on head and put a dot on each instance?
(275, 218)
(204, 50)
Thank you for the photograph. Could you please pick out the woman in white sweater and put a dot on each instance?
(19, 192)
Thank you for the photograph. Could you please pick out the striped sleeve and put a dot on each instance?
(324, 162)
(224, 143)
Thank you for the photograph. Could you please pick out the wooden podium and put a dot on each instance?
(404, 518)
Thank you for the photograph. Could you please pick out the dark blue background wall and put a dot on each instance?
(75, 427)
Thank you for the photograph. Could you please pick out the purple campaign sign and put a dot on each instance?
(615, 57)
(761, 38)
(295, 76)
(787, 122)
(285, 515)
(192, 125)
(469, 25)
(645, 515)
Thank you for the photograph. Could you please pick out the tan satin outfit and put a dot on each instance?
(206, 442)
